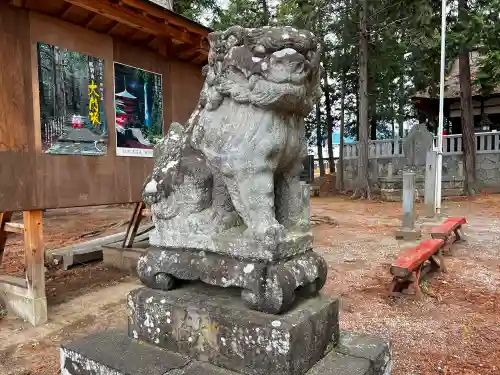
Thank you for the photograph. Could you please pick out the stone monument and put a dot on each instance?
(231, 279)
(416, 146)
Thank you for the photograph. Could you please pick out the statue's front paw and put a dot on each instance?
(150, 199)
(273, 233)
(224, 220)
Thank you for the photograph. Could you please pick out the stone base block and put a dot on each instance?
(213, 325)
(407, 234)
(232, 242)
(267, 286)
(112, 352)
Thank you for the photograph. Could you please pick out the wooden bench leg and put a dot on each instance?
(410, 284)
(36, 305)
(415, 285)
(459, 234)
(438, 263)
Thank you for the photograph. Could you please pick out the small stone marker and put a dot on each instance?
(408, 231)
(306, 199)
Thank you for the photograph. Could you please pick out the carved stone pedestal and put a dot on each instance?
(212, 324)
(266, 286)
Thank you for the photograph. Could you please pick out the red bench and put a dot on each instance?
(450, 231)
(413, 264)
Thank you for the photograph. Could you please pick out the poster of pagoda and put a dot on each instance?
(139, 111)
(71, 87)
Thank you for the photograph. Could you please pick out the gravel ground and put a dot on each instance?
(455, 330)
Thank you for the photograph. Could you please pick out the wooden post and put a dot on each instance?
(26, 297)
(35, 268)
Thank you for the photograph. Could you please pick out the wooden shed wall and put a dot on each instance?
(30, 179)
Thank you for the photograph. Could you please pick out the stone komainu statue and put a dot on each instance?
(230, 182)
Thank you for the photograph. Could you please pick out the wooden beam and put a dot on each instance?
(4, 219)
(150, 39)
(89, 20)
(168, 16)
(17, 3)
(132, 19)
(113, 28)
(200, 59)
(186, 53)
(65, 12)
(153, 39)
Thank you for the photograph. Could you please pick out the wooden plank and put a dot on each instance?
(34, 263)
(410, 259)
(14, 227)
(4, 219)
(128, 241)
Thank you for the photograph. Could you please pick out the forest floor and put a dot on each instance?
(455, 330)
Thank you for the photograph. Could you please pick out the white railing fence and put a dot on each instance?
(452, 145)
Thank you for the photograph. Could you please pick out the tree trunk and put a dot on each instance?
(54, 81)
(362, 182)
(40, 81)
(373, 122)
(319, 141)
(329, 121)
(340, 173)
(357, 113)
(401, 94)
(401, 105)
(467, 114)
(266, 15)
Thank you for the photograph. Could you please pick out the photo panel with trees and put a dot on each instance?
(139, 111)
(72, 117)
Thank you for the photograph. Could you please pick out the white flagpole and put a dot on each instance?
(439, 166)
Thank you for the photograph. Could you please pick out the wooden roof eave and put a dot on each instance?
(165, 27)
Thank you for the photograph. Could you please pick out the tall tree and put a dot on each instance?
(362, 183)
(319, 141)
(340, 173)
(467, 110)
(266, 14)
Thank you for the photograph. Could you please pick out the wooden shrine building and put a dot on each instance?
(486, 108)
(87, 87)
